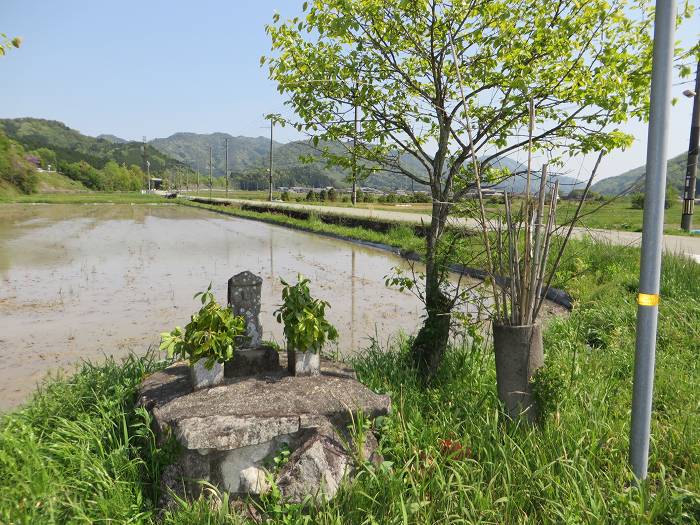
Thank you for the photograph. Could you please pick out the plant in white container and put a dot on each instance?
(306, 328)
(207, 342)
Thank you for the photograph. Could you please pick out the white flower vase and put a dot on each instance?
(301, 364)
(202, 377)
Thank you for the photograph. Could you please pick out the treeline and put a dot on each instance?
(112, 177)
(303, 175)
(16, 166)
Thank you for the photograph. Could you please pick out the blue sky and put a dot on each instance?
(156, 67)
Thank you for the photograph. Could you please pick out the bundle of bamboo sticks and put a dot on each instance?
(525, 266)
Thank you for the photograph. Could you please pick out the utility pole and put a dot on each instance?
(146, 164)
(652, 235)
(197, 178)
(272, 127)
(210, 180)
(226, 168)
(692, 167)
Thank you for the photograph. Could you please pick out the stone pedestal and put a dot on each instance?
(244, 299)
(229, 434)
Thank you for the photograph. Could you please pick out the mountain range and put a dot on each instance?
(248, 159)
(72, 146)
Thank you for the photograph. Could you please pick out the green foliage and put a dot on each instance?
(587, 71)
(80, 452)
(15, 169)
(637, 201)
(47, 157)
(212, 334)
(6, 43)
(112, 177)
(71, 146)
(670, 198)
(547, 389)
(304, 318)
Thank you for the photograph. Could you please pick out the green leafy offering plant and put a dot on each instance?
(547, 389)
(303, 317)
(211, 334)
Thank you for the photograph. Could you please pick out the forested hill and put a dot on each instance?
(633, 180)
(248, 160)
(70, 145)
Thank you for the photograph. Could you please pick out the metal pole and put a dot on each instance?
(226, 169)
(692, 167)
(272, 125)
(210, 180)
(354, 161)
(652, 235)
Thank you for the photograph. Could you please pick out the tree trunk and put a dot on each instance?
(430, 344)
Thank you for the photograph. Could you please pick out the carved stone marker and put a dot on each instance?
(244, 291)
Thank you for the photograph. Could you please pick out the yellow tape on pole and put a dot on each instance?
(648, 299)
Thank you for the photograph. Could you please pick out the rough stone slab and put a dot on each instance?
(251, 410)
(317, 468)
(230, 432)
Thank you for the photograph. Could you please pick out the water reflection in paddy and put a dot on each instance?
(82, 281)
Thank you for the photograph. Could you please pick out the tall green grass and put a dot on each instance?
(79, 452)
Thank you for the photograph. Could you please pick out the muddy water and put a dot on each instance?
(84, 281)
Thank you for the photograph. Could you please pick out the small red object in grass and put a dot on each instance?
(454, 449)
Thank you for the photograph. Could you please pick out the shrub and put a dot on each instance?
(638, 201)
(304, 318)
(212, 334)
(285, 196)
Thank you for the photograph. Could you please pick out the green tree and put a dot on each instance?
(585, 67)
(47, 157)
(14, 167)
(6, 43)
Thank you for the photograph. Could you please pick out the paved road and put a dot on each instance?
(689, 246)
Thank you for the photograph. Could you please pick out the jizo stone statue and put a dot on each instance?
(244, 291)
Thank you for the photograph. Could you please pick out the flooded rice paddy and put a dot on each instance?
(85, 281)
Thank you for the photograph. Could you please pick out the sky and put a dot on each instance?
(152, 68)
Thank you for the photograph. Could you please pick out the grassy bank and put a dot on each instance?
(81, 453)
(85, 198)
(615, 214)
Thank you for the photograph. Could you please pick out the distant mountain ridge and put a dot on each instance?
(112, 138)
(248, 157)
(71, 146)
(633, 180)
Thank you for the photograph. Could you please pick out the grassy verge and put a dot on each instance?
(86, 198)
(617, 214)
(81, 453)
